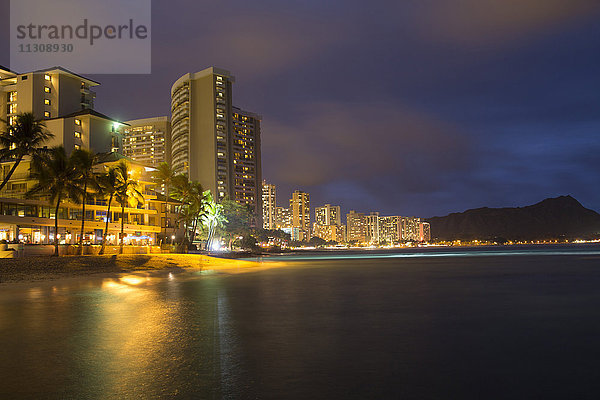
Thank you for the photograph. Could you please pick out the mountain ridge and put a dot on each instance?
(561, 217)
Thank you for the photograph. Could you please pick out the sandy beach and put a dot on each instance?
(30, 269)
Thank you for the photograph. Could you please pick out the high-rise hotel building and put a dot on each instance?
(328, 224)
(413, 229)
(300, 211)
(269, 204)
(213, 142)
(148, 141)
(245, 167)
(201, 114)
(328, 215)
(356, 227)
(372, 228)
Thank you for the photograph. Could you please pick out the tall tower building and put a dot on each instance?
(356, 227)
(390, 229)
(201, 129)
(269, 205)
(245, 167)
(328, 215)
(148, 140)
(213, 142)
(425, 232)
(413, 229)
(300, 210)
(372, 228)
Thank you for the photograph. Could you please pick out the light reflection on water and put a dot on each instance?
(436, 252)
(126, 337)
(444, 327)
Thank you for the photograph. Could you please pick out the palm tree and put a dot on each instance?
(212, 219)
(164, 176)
(128, 192)
(199, 201)
(107, 183)
(182, 189)
(21, 139)
(83, 162)
(57, 178)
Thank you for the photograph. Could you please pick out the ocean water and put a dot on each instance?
(432, 324)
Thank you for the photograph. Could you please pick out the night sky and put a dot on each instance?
(413, 107)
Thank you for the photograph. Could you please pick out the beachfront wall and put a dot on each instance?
(23, 250)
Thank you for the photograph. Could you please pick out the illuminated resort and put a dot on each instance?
(64, 101)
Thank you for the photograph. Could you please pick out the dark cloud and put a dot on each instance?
(411, 107)
(327, 141)
(477, 22)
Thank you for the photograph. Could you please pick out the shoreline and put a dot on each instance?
(46, 268)
(37, 269)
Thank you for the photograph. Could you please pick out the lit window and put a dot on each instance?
(77, 147)
(47, 89)
(47, 102)
(47, 77)
(47, 114)
(78, 135)
(78, 122)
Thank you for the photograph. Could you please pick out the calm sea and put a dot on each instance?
(506, 323)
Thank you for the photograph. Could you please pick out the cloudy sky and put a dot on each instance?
(410, 107)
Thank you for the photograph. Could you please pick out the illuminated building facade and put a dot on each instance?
(356, 227)
(65, 101)
(372, 228)
(283, 218)
(201, 129)
(300, 211)
(328, 224)
(213, 142)
(269, 205)
(48, 93)
(330, 233)
(425, 232)
(328, 215)
(414, 229)
(32, 220)
(410, 229)
(245, 168)
(389, 229)
(148, 140)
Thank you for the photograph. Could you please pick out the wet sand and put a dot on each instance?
(29, 269)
